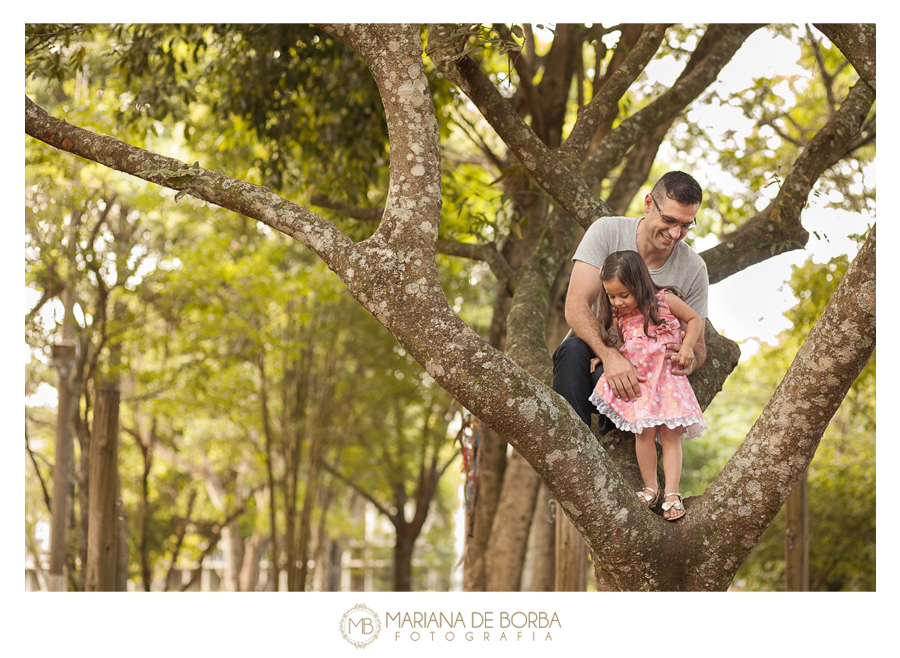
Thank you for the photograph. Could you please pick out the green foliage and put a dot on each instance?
(54, 50)
(273, 80)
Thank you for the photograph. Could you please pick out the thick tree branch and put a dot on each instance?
(629, 34)
(556, 80)
(857, 42)
(415, 156)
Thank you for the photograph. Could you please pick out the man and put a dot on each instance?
(670, 210)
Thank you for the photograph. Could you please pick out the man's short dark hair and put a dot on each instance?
(678, 186)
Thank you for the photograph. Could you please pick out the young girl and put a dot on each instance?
(646, 318)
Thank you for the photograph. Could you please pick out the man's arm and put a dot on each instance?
(584, 286)
(700, 348)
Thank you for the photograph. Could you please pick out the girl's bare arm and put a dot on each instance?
(688, 355)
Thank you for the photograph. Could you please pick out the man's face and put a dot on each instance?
(668, 222)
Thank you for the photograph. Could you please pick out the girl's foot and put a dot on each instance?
(673, 508)
(651, 500)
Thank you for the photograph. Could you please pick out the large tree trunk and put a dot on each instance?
(233, 546)
(326, 553)
(296, 387)
(65, 359)
(122, 570)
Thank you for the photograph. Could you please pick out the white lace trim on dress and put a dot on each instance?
(693, 425)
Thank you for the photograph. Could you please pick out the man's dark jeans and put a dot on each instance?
(573, 379)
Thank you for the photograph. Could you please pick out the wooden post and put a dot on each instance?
(571, 556)
(64, 361)
(796, 540)
(100, 573)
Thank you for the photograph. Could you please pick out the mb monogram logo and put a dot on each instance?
(360, 626)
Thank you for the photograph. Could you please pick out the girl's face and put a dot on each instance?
(619, 296)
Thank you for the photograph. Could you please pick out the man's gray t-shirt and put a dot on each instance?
(684, 269)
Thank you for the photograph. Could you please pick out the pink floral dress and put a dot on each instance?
(665, 398)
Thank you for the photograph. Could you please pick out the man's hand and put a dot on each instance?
(623, 379)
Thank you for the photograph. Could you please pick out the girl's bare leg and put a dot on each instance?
(645, 447)
(671, 458)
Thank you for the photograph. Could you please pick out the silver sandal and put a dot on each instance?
(676, 505)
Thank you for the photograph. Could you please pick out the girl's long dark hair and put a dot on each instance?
(631, 271)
